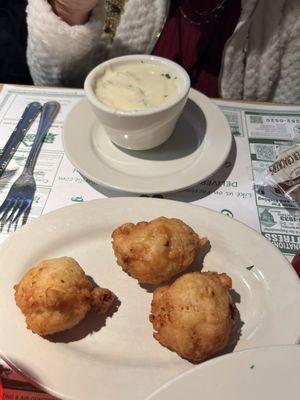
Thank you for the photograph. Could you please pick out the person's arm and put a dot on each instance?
(62, 45)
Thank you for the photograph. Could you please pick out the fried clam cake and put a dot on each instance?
(56, 294)
(194, 315)
(153, 252)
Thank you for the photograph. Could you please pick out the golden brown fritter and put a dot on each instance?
(155, 251)
(56, 294)
(193, 315)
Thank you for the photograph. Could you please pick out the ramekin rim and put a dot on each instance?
(90, 94)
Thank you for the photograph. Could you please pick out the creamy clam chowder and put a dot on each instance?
(136, 85)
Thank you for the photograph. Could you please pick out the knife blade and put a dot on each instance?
(29, 115)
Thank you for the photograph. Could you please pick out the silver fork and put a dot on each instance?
(20, 196)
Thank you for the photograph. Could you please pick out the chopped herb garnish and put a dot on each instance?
(168, 76)
(252, 366)
(249, 268)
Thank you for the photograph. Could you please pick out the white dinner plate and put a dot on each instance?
(197, 148)
(120, 360)
(267, 373)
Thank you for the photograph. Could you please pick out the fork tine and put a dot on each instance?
(2, 227)
(5, 209)
(26, 204)
(18, 203)
(9, 207)
(5, 204)
(9, 226)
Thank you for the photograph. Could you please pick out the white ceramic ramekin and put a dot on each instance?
(142, 129)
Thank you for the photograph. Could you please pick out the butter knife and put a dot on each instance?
(25, 122)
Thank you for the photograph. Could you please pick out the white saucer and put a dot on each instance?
(198, 147)
(264, 373)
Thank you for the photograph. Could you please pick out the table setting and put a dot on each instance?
(77, 175)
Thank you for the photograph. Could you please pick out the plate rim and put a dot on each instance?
(32, 224)
(226, 132)
(217, 360)
(86, 203)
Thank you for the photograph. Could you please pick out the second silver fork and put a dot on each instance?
(21, 194)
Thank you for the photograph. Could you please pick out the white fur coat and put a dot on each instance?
(261, 61)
